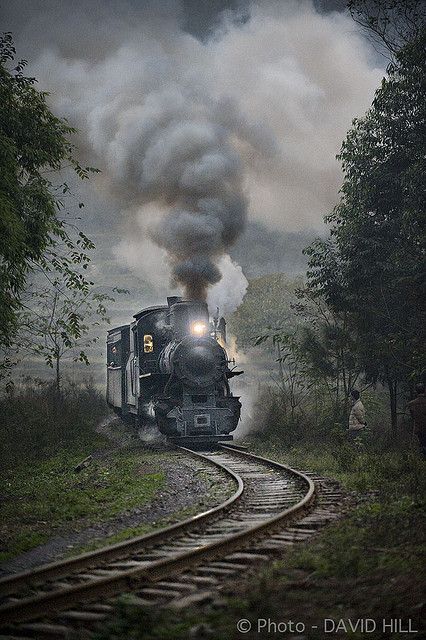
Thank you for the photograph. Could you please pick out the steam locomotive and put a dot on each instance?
(169, 367)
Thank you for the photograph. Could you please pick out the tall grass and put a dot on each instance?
(315, 437)
(37, 423)
(316, 419)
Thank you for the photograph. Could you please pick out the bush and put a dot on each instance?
(316, 419)
(37, 423)
(313, 420)
(315, 438)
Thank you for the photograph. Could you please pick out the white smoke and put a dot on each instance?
(187, 134)
(228, 293)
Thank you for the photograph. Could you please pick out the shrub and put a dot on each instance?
(37, 423)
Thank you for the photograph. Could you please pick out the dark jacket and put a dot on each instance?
(417, 409)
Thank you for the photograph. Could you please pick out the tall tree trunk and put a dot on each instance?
(280, 362)
(58, 375)
(393, 394)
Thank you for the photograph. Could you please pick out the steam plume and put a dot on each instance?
(191, 136)
(193, 166)
(169, 148)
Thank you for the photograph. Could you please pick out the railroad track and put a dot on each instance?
(271, 508)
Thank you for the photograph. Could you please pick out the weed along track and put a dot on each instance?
(270, 509)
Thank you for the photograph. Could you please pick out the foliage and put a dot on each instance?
(82, 495)
(369, 562)
(372, 267)
(278, 314)
(360, 317)
(389, 466)
(133, 621)
(52, 435)
(314, 418)
(320, 426)
(318, 354)
(34, 144)
(37, 424)
(267, 304)
(390, 23)
(55, 325)
(36, 506)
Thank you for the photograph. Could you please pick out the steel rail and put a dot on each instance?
(60, 568)
(48, 604)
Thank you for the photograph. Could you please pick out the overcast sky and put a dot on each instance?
(244, 104)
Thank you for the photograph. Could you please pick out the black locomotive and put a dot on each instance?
(169, 366)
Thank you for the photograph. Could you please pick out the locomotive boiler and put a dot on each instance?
(170, 367)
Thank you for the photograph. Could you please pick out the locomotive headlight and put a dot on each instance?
(198, 328)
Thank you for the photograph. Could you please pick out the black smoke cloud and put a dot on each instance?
(181, 155)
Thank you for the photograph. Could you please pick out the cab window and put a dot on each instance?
(114, 354)
(148, 343)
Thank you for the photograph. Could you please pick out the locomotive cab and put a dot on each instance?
(117, 356)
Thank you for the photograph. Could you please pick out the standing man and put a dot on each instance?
(417, 409)
(357, 421)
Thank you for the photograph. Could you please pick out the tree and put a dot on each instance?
(373, 266)
(55, 325)
(34, 144)
(318, 354)
(391, 24)
(267, 303)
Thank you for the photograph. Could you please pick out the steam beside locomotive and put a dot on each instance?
(169, 366)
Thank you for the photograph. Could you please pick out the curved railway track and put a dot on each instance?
(266, 512)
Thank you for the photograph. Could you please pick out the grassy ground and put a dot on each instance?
(43, 438)
(216, 493)
(52, 497)
(368, 565)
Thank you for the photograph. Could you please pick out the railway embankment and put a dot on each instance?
(89, 480)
